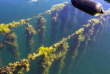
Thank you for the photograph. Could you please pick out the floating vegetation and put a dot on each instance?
(56, 53)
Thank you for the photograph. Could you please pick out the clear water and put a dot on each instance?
(96, 60)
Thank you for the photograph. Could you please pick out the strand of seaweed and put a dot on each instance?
(58, 50)
(7, 31)
(11, 39)
(6, 28)
(84, 39)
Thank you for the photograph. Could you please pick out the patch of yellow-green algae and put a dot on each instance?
(46, 52)
(94, 20)
(4, 29)
(57, 7)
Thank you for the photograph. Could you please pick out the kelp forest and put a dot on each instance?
(51, 39)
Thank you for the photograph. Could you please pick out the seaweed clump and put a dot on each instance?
(11, 42)
(40, 29)
(53, 53)
(54, 17)
(63, 16)
(29, 31)
(58, 52)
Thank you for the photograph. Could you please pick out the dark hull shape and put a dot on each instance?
(107, 1)
(88, 6)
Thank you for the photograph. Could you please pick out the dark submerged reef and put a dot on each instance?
(68, 48)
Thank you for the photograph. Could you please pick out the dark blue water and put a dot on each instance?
(15, 10)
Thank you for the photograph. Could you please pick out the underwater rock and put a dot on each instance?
(88, 6)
